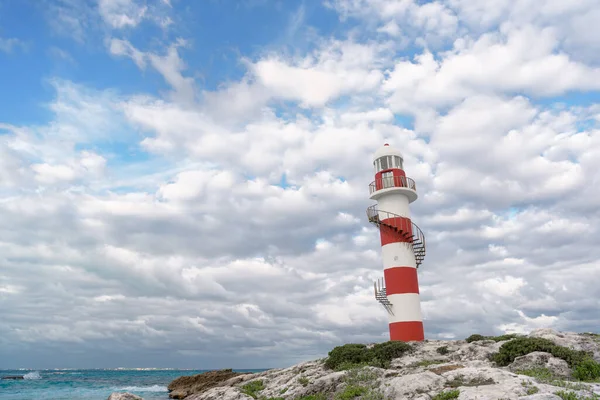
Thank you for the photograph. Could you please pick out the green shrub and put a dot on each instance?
(358, 376)
(303, 380)
(451, 394)
(524, 345)
(385, 352)
(474, 338)
(587, 370)
(573, 396)
(351, 392)
(532, 390)
(252, 388)
(502, 338)
(442, 350)
(348, 354)
(566, 395)
(572, 357)
(356, 355)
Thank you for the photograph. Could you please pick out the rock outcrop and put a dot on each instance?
(540, 359)
(124, 396)
(185, 386)
(13, 377)
(432, 367)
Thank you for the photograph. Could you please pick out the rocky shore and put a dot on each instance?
(545, 364)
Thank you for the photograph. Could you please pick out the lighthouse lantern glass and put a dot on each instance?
(385, 162)
(398, 162)
(388, 162)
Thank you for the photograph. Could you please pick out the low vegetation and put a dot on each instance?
(583, 366)
(541, 374)
(443, 350)
(501, 338)
(450, 394)
(360, 382)
(318, 396)
(252, 388)
(525, 345)
(587, 370)
(595, 336)
(303, 381)
(574, 396)
(530, 388)
(351, 356)
(544, 375)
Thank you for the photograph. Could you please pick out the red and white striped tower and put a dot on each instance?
(402, 245)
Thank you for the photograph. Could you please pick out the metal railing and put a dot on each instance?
(381, 295)
(390, 182)
(395, 221)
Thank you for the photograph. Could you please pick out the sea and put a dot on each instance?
(91, 384)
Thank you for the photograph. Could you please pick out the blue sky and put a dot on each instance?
(187, 173)
(219, 32)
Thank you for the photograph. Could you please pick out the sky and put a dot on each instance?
(184, 183)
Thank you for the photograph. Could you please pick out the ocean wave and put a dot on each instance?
(32, 376)
(64, 373)
(153, 388)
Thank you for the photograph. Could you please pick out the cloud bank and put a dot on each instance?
(225, 227)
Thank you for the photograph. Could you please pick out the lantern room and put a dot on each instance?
(389, 173)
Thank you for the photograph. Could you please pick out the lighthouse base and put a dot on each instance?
(407, 331)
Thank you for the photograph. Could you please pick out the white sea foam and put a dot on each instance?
(153, 388)
(32, 375)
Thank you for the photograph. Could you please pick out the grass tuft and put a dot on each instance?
(252, 388)
(450, 394)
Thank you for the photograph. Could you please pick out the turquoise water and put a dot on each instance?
(89, 384)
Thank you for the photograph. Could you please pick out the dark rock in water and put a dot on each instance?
(14, 377)
(188, 385)
(124, 396)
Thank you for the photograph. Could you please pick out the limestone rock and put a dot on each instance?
(419, 374)
(541, 359)
(575, 341)
(480, 350)
(403, 386)
(221, 393)
(541, 396)
(186, 385)
(124, 396)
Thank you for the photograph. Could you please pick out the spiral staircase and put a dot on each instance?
(412, 235)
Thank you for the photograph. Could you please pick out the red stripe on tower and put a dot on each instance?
(407, 331)
(400, 280)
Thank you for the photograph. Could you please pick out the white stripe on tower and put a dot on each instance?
(397, 254)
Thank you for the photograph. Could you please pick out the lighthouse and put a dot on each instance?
(402, 245)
